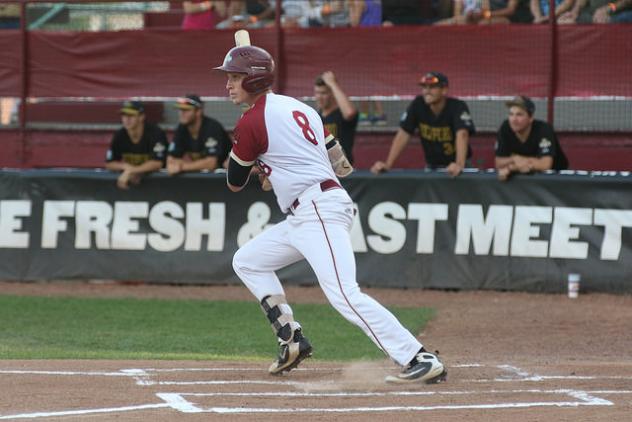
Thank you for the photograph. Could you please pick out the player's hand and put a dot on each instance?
(567, 17)
(265, 182)
(522, 164)
(503, 173)
(379, 167)
(124, 179)
(174, 167)
(454, 169)
(328, 77)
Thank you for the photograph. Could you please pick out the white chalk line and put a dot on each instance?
(132, 372)
(520, 375)
(283, 394)
(143, 376)
(85, 411)
(178, 402)
(229, 382)
(69, 373)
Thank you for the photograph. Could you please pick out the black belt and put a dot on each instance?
(328, 184)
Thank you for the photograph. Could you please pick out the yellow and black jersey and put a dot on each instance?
(438, 133)
(212, 141)
(152, 146)
(542, 142)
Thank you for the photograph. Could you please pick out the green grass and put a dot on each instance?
(95, 328)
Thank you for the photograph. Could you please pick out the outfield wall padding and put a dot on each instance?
(413, 229)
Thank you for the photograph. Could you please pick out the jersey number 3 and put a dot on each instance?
(303, 123)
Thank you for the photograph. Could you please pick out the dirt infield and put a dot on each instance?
(511, 357)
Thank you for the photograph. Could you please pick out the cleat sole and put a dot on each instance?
(301, 357)
(442, 377)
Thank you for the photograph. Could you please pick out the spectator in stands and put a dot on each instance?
(315, 13)
(614, 12)
(138, 148)
(599, 11)
(248, 14)
(339, 115)
(199, 142)
(202, 14)
(363, 13)
(9, 16)
(260, 13)
(407, 12)
(526, 145)
(444, 126)
(540, 9)
(488, 12)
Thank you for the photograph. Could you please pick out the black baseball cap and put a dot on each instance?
(523, 102)
(132, 108)
(189, 102)
(434, 78)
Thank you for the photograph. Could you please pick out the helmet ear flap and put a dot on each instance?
(257, 83)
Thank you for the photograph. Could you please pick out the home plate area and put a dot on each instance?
(352, 389)
(471, 386)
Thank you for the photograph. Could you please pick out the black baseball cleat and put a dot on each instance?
(291, 354)
(425, 367)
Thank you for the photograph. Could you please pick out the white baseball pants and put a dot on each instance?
(318, 230)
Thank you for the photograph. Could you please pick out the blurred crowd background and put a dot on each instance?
(68, 65)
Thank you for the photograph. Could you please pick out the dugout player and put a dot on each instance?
(339, 115)
(199, 142)
(444, 125)
(526, 145)
(138, 148)
(286, 139)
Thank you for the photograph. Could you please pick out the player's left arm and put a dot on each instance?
(461, 143)
(525, 164)
(339, 161)
(456, 167)
(541, 163)
(546, 151)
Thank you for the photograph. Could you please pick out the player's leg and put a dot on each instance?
(255, 263)
(327, 247)
(258, 259)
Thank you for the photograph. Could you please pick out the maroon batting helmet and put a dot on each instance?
(254, 62)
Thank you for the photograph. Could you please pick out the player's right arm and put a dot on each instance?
(399, 143)
(114, 158)
(502, 153)
(250, 140)
(238, 172)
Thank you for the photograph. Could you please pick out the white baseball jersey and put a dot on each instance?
(286, 138)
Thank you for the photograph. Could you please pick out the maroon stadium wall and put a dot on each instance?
(487, 60)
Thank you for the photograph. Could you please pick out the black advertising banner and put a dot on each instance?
(412, 229)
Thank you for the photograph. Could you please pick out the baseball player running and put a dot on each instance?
(286, 141)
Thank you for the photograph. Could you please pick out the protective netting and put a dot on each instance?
(70, 66)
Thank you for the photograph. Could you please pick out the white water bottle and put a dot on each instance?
(573, 285)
